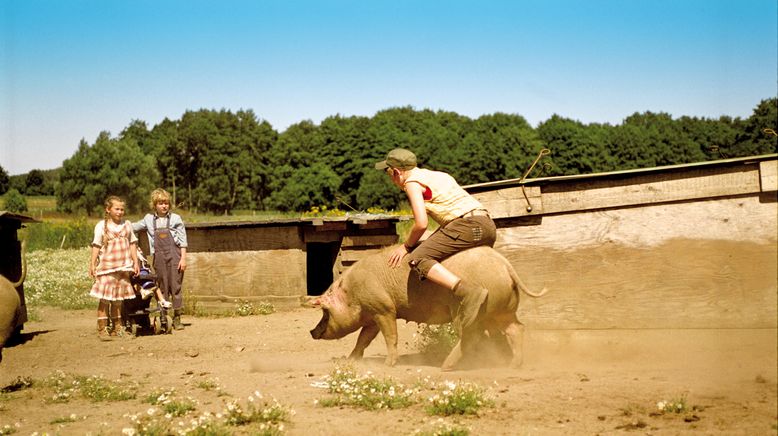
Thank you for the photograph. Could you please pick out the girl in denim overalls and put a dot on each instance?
(167, 244)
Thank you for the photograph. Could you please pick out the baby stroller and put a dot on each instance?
(141, 317)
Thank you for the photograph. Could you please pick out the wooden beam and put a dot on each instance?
(768, 175)
(646, 190)
(358, 240)
(510, 202)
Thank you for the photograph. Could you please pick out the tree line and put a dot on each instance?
(218, 161)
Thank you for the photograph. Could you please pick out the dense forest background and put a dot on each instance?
(218, 161)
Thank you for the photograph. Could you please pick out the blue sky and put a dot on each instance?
(71, 68)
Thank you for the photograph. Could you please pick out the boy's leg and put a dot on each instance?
(458, 236)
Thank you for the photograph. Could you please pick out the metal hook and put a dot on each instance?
(543, 152)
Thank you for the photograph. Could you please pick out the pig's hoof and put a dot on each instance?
(391, 361)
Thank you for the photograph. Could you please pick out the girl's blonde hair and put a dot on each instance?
(109, 201)
(158, 196)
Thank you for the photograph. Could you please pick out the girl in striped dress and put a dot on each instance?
(114, 258)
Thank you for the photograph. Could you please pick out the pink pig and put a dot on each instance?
(372, 296)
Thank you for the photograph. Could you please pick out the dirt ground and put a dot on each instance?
(570, 383)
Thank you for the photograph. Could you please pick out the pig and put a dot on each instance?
(371, 295)
(10, 306)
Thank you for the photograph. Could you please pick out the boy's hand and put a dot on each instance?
(182, 264)
(396, 256)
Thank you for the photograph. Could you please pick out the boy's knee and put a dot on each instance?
(421, 266)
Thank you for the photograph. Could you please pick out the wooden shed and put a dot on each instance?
(278, 260)
(684, 247)
(11, 255)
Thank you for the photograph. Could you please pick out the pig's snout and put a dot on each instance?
(321, 327)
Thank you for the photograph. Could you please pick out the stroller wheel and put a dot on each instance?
(155, 323)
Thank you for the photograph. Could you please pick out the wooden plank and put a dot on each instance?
(311, 235)
(243, 239)
(377, 225)
(324, 226)
(510, 202)
(768, 175)
(646, 190)
(239, 274)
(380, 240)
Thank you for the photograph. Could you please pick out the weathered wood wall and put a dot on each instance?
(686, 247)
(269, 260)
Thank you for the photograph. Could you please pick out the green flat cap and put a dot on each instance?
(399, 158)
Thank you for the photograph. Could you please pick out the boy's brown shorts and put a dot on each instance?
(458, 235)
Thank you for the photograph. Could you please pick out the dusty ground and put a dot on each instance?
(570, 383)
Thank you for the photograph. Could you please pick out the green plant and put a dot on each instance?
(159, 396)
(65, 419)
(15, 202)
(94, 388)
(179, 407)
(677, 405)
(72, 233)
(256, 417)
(458, 399)
(209, 384)
(435, 339)
(58, 278)
(98, 389)
(8, 429)
(246, 308)
(441, 428)
(365, 391)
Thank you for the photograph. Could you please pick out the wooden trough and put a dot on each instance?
(686, 248)
(279, 260)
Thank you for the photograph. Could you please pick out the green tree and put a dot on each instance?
(230, 149)
(377, 190)
(293, 151)
(34, 183)
(3, 180)
(109, 167)
(753, 138)
(15, 201)
(18, 182)
(316, 185)
(576, 148)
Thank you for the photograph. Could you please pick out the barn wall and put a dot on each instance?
(702, 264)
(269, 261)
(232, 263)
